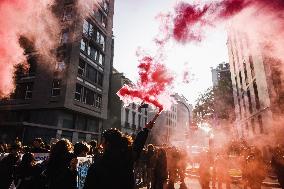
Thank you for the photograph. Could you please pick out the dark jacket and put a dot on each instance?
(27, 177)
(7, 170)
(115, 170)
(60, 176)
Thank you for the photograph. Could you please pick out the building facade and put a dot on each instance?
(67, 99)
(172, 126)
(221, 72)
(257, 83)
(128, 118)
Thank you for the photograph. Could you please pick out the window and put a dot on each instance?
(67, 134)
(92, 52)
(81, 137)
(133, 118)
(251, 66)
(237, 85)
(64, 37)
(257, 103)
(260, 123)
(139, 120)
(100, 79)
(85, 27)
(78, 92)
(105, 6)
(93, 125)
(103, 19)
(81, 67)
(249, 100)
(246, 73)
(252, 125)
(91, 73)
(28, 91)
(83, 45)
(98, 101)
(88, 29)
(60, 66)
(101, 59)
(100, 39)
(67, 14)
(244, 103)
(88, 97)
(241, 80)
(91, 30)
(126, 115)
(56, 87)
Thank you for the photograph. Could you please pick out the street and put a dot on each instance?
(193, 183)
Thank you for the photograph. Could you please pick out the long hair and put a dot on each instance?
(60, 155)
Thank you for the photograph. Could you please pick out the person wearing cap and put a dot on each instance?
(114, 169)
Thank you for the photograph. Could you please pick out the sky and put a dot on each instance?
(135, 26)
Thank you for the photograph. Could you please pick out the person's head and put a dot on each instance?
(93, 143)
(126, 142)
(112, 139)
(16, 148)
(81, 149)
(37, 142)
(150, 147)
(28, 159)
(61, 148)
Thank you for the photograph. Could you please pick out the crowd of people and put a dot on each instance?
(121, 162)
(112, 168)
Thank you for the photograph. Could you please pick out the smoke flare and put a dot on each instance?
(154, 82)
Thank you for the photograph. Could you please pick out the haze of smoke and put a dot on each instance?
(32, 19)
(36, 21)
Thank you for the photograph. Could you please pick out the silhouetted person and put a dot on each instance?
(93, 148)
(256, 171)
(27, 173)
(81, 149)
(150, 165)
(204, 170)
(160, 170)
(61, 166)
(221, 168)
(114, 169)
(37, 146)
(277, 163)
(8, 165)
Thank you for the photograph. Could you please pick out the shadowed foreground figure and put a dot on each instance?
(114, 169)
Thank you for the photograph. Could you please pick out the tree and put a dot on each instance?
(215, 103)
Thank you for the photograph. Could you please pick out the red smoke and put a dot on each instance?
(154, 81)
(36, 21)
(189, 23)
(32, 19)
(190, 19)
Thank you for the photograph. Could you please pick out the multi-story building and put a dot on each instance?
(69, 99)
(223, 97)
(221, 72)
(129, 119)
(172, 126)
(257, 83)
